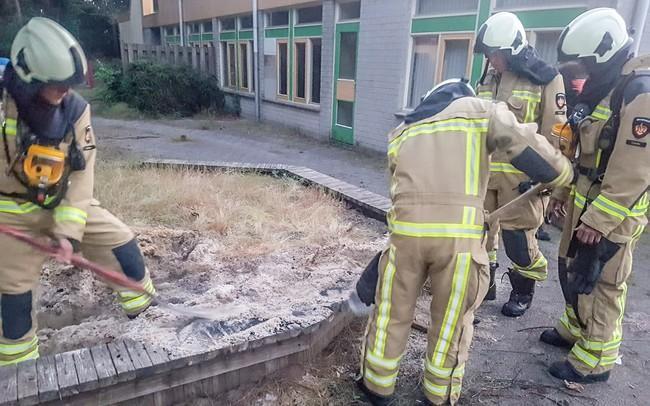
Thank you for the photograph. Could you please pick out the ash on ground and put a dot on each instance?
(247, 298)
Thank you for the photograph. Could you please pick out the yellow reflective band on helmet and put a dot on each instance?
(611, 207)
(454, 309)
(382, 381)
(70, 214)
(436, 230)
(381, 362)
(437, 390)
(601, 113)
(454, 124)
(385, 303)
(11, 207)
(469, 215)
(503, 167)
(19, 348)
(472, 163)
(11, 126)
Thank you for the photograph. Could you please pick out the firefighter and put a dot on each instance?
(534, 92)
(46, 182)
(439, 161)
(605, 210)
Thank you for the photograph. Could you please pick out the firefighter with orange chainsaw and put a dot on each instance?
(46, 183)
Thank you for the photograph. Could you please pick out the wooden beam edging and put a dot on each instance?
(370, 204)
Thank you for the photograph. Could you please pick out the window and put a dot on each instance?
(228, 24)
(310, 15)
(246, 22)
(437, 58)
(345, 113)
(425, 50)
(207, 27)
(244, 66)
(349, 10)
(348, 56)
(278, 19)
(545, 42)
(155, 6)
(300, 79)
(316, 46)
(283, 68)
(455, 59)
(231, 65)
(306, 72)
(433, 7)
(170, 30)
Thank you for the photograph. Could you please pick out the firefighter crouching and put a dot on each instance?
(46, 182)
(439, 162)
(605, 211)
(534, 92)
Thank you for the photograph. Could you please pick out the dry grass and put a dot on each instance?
(253, 214)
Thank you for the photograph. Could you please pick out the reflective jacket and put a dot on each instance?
(439, 167)
(616, 203)
(531, 103)
(71, 214)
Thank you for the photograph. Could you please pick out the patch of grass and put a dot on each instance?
(253, 214)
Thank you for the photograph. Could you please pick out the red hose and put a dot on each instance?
(77, 260)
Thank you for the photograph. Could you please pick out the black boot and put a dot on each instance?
(553, 337)
(563, 370)
(371, 397)
(521, 296)
(542, 235)
(492, 290)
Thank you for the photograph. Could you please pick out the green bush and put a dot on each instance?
(157, 89)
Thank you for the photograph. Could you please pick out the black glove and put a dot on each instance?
(367, 284)
(525, 186)
(588, 264)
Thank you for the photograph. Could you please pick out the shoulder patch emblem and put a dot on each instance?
(560, 100)
(640, 127)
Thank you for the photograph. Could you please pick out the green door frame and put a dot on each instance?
(342, 133)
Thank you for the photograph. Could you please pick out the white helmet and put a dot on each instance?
(502, 31)
(45, 52)
(464, 87)
(595, 36)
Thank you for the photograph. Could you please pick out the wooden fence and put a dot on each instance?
(203, 59)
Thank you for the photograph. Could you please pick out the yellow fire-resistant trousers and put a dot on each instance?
(526, 257)
(598, 338)
(21, 266)
(458, 272)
